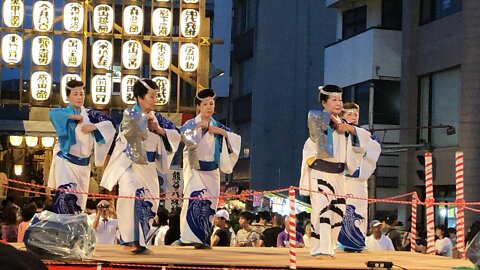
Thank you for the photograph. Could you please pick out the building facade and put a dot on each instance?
(277, 66)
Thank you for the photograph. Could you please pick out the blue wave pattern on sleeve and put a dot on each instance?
(96, 117)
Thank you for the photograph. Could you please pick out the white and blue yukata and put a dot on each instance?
(327, 175)
(354, 226)
(135, 216)
(215, 153)
(70, 169)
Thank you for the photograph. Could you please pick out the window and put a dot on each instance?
(244, 130)
(354, 22)
(439, 105)
(392, 14)
(386, 108)
(431, 10)
(247, 13)
(246, 76)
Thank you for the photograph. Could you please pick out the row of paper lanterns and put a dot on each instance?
(103, 18)
(102, 53)
(31, 141)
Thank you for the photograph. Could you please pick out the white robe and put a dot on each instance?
(66, 175)
(327, 210)
(354, 227)
(135, 216)
(196, 216)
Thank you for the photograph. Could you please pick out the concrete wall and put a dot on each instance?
(438, 45)
(288, 61)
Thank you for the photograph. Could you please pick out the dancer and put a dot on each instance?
(327, 174)
(79, 133)
(354, 226)
(210, 148)
(147, 142)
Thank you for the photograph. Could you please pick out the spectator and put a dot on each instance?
(105, 223)
(221, 234)
(377, 240)
(283, 237)
(308, 235)
(246, 236)
(39, 203)
(443, 245)
(162, 224)
(263, 223)
(269, 236)
(388, 229)
(28, 212)
(10, 225)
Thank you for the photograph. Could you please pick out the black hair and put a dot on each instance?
(390, 219)
(139, 90)
(28, 211)
(39, 202)
(331, 88)
(265, 215)
(204, 93)
(444, 230)
(247, 216)
(72, 84)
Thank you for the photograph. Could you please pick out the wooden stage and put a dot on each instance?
(114, 256)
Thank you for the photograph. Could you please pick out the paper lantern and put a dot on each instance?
(162, 22)
(43, 14)
(18, 169)
(40, 85)
(132, 20)
(132, 54)
(101, 89)
(31, 141)
(16, 140)
(190, 22)
(127, 88)
(163, 94)
(13, 13)
(73, 17)
(102, 54)
(103, 18)
(160, 56)
(72, 52)
(48, 141)
(189, 55)
(12, 48)
(42, 50)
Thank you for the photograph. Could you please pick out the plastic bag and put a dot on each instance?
(60, 236)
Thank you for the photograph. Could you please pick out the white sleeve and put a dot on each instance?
(369, 160)
(107, 130)
(163, 163)
(228, 160)
(308, 152)
(355, 153)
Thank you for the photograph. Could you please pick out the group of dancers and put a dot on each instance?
(145, 146)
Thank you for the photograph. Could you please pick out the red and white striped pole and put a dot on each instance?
(460, 203)
(413, 229)
(292, 232)
(429, 201)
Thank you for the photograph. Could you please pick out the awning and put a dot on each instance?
(26, 127)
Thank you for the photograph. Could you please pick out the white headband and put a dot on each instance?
(72, 88)
(335, 94)
(202, 99)
(350, 110)
(142, 81)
